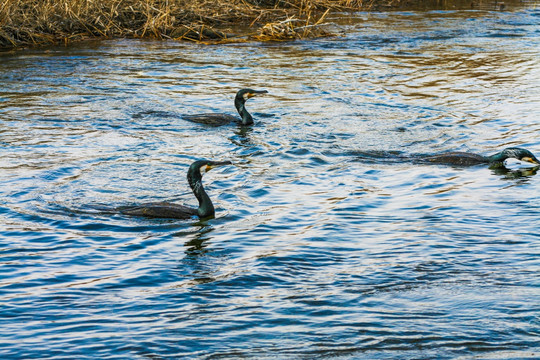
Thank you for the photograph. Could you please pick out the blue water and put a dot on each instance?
(321, 247)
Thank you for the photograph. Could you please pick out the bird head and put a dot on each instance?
(521, 155)
(202, 166)
(246, 94)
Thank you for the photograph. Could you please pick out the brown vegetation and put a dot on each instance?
(36, 22)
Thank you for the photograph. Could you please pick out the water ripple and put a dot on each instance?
(328, 241)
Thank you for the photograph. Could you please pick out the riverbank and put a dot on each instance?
(45, 22)
(41, 22)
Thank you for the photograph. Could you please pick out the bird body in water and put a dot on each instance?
(222, 119)
(176, 211)
(495, 161)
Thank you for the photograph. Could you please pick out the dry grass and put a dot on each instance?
(292, 28)
(37, 22)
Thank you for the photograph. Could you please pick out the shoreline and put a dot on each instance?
(30, 23)
(35, 23)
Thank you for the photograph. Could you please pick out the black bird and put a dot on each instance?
(495, 161)
(176, 211)
(222, 119)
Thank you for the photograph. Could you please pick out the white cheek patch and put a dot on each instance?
(203, 169)
(246, 96)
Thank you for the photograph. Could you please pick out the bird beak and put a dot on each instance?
(255, 93)
(216, 164)
(530, 160)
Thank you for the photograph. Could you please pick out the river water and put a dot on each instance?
(324, 245)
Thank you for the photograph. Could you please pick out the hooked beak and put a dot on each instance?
(530, 160)
(216, 164)
(255, 93)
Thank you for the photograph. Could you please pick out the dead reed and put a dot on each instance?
(39, 22)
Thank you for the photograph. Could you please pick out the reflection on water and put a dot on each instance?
(325, 243)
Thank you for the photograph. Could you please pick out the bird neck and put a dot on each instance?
(497, 160)
(206, 208)
(240, 105)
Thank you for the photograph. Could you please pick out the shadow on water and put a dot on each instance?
(242, 137)
(521, 174)
(197, 245)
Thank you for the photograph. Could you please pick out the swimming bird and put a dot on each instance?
(222, 119)
(495, 161)
(176, 211)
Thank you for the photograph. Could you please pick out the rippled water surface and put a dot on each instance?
(324, 245)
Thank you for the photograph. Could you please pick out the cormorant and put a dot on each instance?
(495, 161)
(176, 211)
(222, 119)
